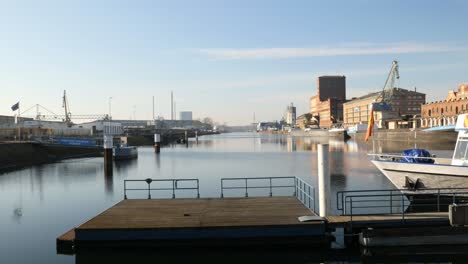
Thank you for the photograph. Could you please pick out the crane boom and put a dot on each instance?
(382, 102)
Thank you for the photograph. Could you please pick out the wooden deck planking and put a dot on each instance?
(185, 213)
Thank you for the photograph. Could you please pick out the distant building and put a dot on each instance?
(264, 126)
(185, 115)
(402, 103)
(445, 112)
(290, 115)
(327, 106)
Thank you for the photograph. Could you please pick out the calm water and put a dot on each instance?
(38, 204)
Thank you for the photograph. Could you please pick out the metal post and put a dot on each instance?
(222, 189)
(271, 188)
(438, 200)
(403, 207)
(149, 189)
(157, 143)
(324, 179)
(198, 189)
(125, 190)
(108, 169)
(391, 202)
(173, 189)
(246, 189)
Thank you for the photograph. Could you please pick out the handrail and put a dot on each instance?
(246, 187)
(174, 186)
(301, 190)
(366, 202)
(340, 195)
(306, 194)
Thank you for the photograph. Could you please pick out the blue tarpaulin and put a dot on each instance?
(417, 156)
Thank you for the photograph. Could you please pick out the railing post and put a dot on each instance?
(391, 202)
(125, 190)
(403, 207)
(438, 200)
(296, 191)
(173, 188)
(198, 189)
(315, 203)
(222, 189)
(149, 190)
(246, 188)
(308, 191)
(271, 188)
(351, 210)
(295, 187)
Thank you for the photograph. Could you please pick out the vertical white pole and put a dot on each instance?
(324, 180)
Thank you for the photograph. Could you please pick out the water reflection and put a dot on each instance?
(42, 202)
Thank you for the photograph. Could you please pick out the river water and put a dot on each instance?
(39, 203)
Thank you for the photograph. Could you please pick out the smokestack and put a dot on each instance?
(172, 105)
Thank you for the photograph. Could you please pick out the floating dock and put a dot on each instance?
(214, 222)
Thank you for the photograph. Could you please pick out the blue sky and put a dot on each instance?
(223, 59)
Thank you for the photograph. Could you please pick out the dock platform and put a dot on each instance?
(201, 222)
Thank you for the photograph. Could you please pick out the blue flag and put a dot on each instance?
(15, 107)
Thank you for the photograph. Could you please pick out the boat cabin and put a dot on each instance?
(460, 155)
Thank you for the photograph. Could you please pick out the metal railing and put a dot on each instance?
(300, 189)
(306, 194)
(269, 184)
(398, 201)
(168, 185)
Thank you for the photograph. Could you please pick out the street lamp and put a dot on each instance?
(110, 108)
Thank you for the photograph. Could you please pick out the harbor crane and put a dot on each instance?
(67, 117)
(382, 102)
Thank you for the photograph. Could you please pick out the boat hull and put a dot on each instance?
(125, 153)
(426, 175)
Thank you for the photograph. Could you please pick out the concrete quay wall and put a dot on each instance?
(16, 155)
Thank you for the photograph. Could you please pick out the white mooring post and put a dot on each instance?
(323, 180)
(108, 145)
(157, 143)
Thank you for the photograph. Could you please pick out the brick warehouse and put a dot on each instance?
(444, 113)
(327, 106)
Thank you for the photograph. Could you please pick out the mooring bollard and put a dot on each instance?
(108, 169)
(323, 179)
(157, 143)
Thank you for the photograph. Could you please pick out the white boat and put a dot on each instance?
(416, 173)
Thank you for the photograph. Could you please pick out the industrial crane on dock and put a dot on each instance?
(383, 101)
(67, 118)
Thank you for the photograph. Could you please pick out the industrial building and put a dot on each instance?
(402, 102)
(444, 113)
(327, 106)
(185, 116)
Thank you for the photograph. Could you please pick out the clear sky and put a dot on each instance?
(222, 59)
